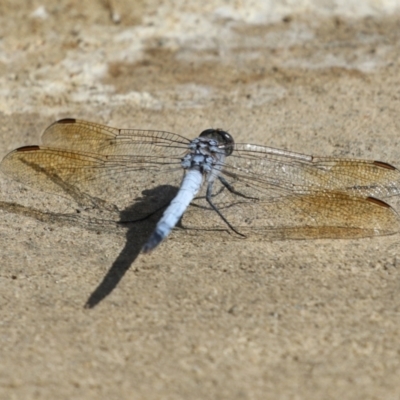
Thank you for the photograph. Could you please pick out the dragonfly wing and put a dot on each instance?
(84, 136)
(286, 195)
(72, 133)
(297, 216)
(119, 171)
(263, 172)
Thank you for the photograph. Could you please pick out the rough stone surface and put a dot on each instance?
(219, 318)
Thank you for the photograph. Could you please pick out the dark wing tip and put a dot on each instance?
(66, 121)
(384, 165)
(28, 148)
(378, 202)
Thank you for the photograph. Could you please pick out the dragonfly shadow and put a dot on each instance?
(151, 204)
(136, 236)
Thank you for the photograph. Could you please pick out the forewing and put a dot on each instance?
(263, 172)
(84, 136)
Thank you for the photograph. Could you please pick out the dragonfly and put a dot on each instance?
(209, 183)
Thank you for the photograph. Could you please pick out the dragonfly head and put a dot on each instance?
(224, 139)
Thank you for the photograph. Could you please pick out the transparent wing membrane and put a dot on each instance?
(262, 191)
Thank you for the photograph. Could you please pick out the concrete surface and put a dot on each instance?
(212, 317)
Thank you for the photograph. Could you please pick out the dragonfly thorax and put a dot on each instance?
(203, 155)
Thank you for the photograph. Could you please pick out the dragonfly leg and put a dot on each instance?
(232, 190)
(208, 198)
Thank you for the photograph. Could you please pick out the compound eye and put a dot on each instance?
(208, 133)
(223, 137)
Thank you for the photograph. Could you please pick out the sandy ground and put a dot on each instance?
(210, 317)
